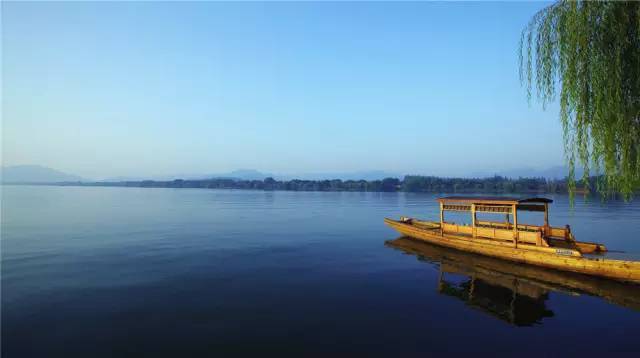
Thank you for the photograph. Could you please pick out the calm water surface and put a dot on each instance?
(129, 271)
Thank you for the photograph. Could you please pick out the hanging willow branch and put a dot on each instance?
(591, 52)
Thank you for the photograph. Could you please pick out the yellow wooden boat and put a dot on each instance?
(545, 246)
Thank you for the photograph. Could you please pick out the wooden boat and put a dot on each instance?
(529, 285)
(545, 246)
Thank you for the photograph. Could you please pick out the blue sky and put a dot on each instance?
(144, 89)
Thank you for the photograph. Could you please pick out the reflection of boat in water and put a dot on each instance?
(514, 293)
(543, 246)
(518, 303)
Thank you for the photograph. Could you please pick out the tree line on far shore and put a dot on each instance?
(410, 183)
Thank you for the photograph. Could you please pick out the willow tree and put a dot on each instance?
(589, 52)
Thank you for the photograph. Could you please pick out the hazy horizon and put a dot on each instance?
(149, 89)
(40, 174)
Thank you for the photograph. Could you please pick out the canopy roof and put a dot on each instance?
(504, 200)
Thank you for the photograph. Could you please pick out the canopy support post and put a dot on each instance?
(473, 220)
(441, 219)
(546, 219)
(514, 209)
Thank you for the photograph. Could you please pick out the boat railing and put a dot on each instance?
(530, 236)
(509, 226)
(453, 228)
(556, 232)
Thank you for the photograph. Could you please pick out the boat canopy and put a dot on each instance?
(497, 205)
(493, 204)
(504, 200)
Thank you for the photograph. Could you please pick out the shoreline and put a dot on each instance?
(411, 184)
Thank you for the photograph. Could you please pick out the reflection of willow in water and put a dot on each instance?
(512, 292)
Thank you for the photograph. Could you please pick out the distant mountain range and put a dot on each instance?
(40, 174)
(35, 174)
(252, 174)
(244, 174)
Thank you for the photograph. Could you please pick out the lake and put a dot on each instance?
(98, 271)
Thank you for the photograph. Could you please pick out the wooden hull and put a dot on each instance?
(554, 258)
